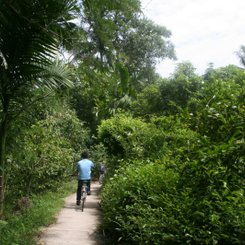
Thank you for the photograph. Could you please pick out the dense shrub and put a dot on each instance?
(217, 110)
(98, 155)
(179, 141)
(127, 137)
(148, 102)
(205, 203)
(136, 202)
(44, 154)
(153, 204)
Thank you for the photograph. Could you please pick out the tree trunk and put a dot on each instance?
(3, 134)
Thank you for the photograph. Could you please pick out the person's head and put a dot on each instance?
(84, 155)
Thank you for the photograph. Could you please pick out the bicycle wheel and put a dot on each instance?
(101, 178)
(82, 204)
(84, 195)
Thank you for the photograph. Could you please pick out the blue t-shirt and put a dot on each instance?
(84, 167)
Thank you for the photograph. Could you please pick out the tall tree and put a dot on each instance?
(29, 41)
(143, 45)
(241, 55)
(118, 49)
(177, 91)
(117, 32)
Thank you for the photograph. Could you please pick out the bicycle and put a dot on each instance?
(84, 194)
(101, 177)
(102, 172)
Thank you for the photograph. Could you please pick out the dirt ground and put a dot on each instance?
(73, 226)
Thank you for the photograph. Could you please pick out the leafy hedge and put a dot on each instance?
(196, 170)
(150, 203)
(135, 202)
(44, 154)
(126, 137)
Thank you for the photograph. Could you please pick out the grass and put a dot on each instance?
(23, 228)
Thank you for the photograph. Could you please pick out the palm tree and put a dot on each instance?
(30, 35)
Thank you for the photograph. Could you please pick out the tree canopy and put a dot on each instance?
(78, 75)
(28, 47)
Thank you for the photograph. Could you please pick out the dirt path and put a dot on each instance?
(73, 226)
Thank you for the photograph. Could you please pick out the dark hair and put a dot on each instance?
(84, 154)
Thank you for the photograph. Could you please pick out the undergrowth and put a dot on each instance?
(23, 228)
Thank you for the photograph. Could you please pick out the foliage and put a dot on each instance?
(203, 148)
(28, 47)
(116, 32)
(177, 91)
(128, 137)
(148, 102)
(44, 153)
(241, 55)
(144, 44)
(115, 57)
(24, 228)
(168, 96)
(133, 200)
(160, 203)
(217, 109)
(104, 22)
(131, 138)
(30, 38)
(217, 192)
(179, 142)
(228, 74)
(100, 96)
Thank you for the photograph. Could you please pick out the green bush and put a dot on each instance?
(192, 192)
(98, 155)
(178, 141)
(44, 154)
(217, 110)
(153, 204)
(135, 202)
(127, 137)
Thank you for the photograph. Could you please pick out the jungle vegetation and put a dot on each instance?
(78, 75)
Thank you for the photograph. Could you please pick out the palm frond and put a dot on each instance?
(29, 41)
(55, 75)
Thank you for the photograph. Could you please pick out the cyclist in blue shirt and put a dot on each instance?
(84, 168)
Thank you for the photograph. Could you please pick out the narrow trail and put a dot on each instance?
(73, 226)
